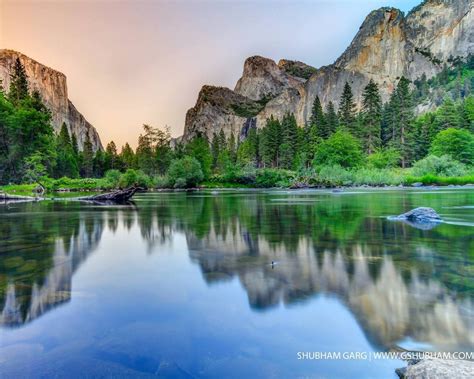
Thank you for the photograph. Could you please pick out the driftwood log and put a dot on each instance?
(7, 197)
(118, 196)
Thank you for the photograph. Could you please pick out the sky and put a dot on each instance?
(133, 62)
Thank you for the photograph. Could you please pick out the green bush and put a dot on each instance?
(458, 143)
(384, 158)
(185, 173)
(113, 178)
(268, 178)
(134, 177)
(341, 149)
(440, 180)
(439, 166)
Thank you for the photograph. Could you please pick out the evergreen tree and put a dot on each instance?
(215, 150)
(317, 120)
(447, 115)
(232, 148)
(289, 144)
(74, 144)
(127, 156)
(371, 117)
(111, 157)
(270, 143)
(402, 118)
(332, 121)
(199, 149)
(163, 152)
(66, 160)
(87, 158)
(247, 153)
(347, 109)
(18, 83)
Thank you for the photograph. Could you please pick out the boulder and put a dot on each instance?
(437, 368)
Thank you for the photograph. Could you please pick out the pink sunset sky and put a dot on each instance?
(135, 62)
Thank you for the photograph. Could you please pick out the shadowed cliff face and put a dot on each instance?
(52, 85)
(389, 45)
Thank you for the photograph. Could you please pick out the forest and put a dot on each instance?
(390, 143)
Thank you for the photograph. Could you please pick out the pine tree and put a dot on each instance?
(66, 160)
(232, 148)
(371, 117)
(87, 164)
(332, 121)
(111, 156)
(289, 144)
(402, 118)
(127, 156)
(74, 144)
(347, 109)
(317, 120)
(270, 143)
(199, 148)
(247, 153)
(215, 150)
(18, 83)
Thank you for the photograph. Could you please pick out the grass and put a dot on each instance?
(440, 180)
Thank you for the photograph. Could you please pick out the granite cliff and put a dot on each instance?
(52, 85)
(388, 45)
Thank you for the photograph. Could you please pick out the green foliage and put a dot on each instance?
(247, 152)
(384, 158)
(439, 165)
(185, 173)
(247, 110)
(66, 158)
(457, 143)
(271, 139)
(371, 117)
(340, 149)
(133, 177)
(347, 109)
(268, 178)
(18, 84)
(113, 178)
(199, 149)
(431, 179)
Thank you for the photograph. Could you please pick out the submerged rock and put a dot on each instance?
(437, 368)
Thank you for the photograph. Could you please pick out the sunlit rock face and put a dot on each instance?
(52, 85)
(26, 302)
(388, 45)
(390, 304)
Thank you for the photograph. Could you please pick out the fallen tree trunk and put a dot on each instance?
(119, 196)
(7, 197)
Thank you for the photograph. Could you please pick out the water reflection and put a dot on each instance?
(399, 283)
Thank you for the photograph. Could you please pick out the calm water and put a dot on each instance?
(181, 285)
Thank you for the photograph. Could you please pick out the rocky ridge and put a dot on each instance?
(388, 45)
(52, 85)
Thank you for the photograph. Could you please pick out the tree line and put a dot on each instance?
(378, 134)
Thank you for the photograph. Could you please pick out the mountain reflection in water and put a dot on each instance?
(399, 282)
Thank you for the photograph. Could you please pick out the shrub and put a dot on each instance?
(340, 149)
(384, 158)
(267, 178)
(113, 178)
(185, 173)
(457, 143)
(134, 177)
(441, 166)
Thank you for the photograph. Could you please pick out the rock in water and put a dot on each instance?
(437, 368)
(421, 215)
(421, 218)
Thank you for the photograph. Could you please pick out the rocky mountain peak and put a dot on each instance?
(387, 46)
(263, 78)
(52, 86)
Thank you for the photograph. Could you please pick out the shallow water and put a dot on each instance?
(182, 285)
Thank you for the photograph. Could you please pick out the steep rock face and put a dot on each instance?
(52, 85)
(219, 108)
(388, 45)
(262, 77)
